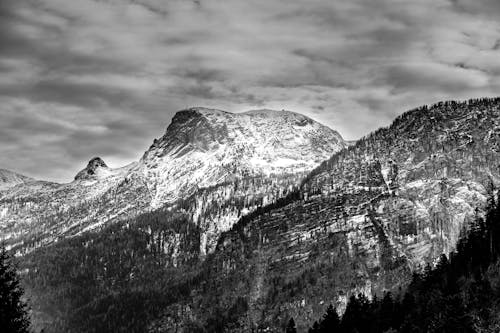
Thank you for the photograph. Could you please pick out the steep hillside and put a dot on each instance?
(213, 164)
(425, 175)
(459, 294)
(37, 213)
(362, 222)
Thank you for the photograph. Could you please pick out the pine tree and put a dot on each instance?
(13, 310)
(290, 328)
(331, 321)
(352, 315)
(386, 312)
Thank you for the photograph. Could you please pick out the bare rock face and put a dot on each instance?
(95, 166)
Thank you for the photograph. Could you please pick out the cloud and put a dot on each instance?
(85, 78)
(428, 76)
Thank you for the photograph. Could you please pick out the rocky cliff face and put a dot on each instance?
(361, 222)
(426, 174)
(211, 164)
(96, 168)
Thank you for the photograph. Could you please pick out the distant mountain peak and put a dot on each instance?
(203, 146)
(92, 170)
(9, 179)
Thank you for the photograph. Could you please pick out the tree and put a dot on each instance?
(13, 310)
(290, 328)
(386, 312)
(331, 320)
(358, 315)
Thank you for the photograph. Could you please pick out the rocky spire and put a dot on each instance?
(94, 165)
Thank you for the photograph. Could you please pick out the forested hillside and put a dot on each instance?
(115, 280)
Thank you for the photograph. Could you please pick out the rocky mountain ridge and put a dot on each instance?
(203, 150)
(212, 146)
(361, 222)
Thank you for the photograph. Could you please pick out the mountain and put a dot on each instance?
(222, 164)
(217, 166)
(9, 179)
(203, 147)
(361, 222)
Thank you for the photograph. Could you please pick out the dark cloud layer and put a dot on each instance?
(85, 78)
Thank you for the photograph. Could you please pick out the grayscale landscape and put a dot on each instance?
(250, 166)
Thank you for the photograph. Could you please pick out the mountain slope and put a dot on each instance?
(39, 212)
(459, 294)
(362, 221)
(10, 179)
(224, 165)
(206, 161)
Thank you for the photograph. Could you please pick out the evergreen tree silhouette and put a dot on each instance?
(331, 321)
(290, 328)
(13, 310)
(386, 313)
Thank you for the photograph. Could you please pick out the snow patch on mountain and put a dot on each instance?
(203, 147)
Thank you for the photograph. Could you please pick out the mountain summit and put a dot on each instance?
(202, 147)
(93, 169)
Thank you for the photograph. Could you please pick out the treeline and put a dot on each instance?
(459, 294)
(14, 311)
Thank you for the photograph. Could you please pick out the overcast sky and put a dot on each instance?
(104, 77)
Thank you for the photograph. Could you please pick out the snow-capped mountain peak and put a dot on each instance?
(202, 147)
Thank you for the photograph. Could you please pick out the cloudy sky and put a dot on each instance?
(103, 77)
